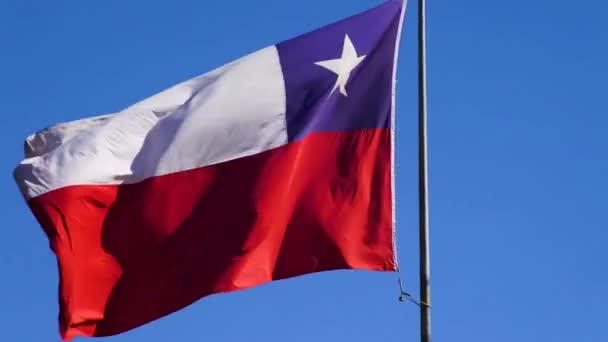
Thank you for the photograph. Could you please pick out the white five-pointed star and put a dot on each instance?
(344, 65)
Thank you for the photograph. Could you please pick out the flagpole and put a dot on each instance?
(425, 270)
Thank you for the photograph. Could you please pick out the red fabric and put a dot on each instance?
(129, 254)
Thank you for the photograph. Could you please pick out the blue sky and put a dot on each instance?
(518, 163)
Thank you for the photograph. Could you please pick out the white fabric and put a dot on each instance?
(234, 111)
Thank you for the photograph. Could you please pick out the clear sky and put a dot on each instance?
(518, 163)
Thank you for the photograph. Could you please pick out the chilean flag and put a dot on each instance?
(275, 165)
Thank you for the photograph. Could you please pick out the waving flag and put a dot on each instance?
(276, 165)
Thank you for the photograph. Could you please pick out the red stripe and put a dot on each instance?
(130, 254)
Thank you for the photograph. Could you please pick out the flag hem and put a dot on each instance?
(393, 131)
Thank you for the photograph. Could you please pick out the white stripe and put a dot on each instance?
(393, 133)
(234, 111)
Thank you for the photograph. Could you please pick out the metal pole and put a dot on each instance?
(425, 270)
